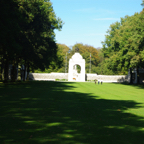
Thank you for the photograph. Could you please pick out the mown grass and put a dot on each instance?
(71, 113)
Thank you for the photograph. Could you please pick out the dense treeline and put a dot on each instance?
(123, 47)
(27, 42)
(86, 51)
(142, 3)
(27, 39)
(65, 53)
(59, 65)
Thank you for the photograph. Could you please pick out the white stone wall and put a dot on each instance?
(53, 76)
(107, 78)
(48, 76)
(76, 60)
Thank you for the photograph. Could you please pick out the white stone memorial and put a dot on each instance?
(73, 75)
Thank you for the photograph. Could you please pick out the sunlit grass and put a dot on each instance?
(71, 113)
(115, 92)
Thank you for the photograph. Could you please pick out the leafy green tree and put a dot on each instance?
(85, 51)
(10, 30)
(124, 49)
(142, 3)
(63, 51)
(58, 65)
(27, 34)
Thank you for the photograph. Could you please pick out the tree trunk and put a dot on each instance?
(16, 74)
(6, 71)
(32, 69)
(28, 72)
(138, 79)
(24, 78)
(1, 72)
(131, 80)
(21, 72)
(13, 73)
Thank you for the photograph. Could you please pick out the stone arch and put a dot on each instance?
(73, 75)
(77, 68)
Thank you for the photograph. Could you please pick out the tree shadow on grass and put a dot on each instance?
(42, 112)
(138, 86)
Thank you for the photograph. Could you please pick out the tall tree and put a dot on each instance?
(27, 34)
(142, 3)
(10, 28)
(125, 49)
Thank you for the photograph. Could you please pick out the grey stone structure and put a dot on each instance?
(53, 76)
(48, 76)
(134, 75)
(108, 78)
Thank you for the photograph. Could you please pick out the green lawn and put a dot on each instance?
(71, 113)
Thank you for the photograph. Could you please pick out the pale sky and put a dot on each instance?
(86, 21)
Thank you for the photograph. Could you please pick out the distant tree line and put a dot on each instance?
(123, 47)
(65, 53)
(27, 38)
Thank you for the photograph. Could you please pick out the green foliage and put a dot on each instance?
(85, 51)
(124, 44)
(142, 3)
(64, 51)
(102, 69)
(57, 112)
(59, 64)
(27, 34)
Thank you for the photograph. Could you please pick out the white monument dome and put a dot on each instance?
(73, 75)
(76, 56)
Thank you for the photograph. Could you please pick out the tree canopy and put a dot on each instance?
(124, 44)
(142, 3)
(27, 34)
(85, 51)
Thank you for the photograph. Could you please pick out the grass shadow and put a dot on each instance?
(43, 112)
(139, 86)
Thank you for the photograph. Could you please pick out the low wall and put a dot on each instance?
(108, 78)
(53, 76)
(48, 76)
